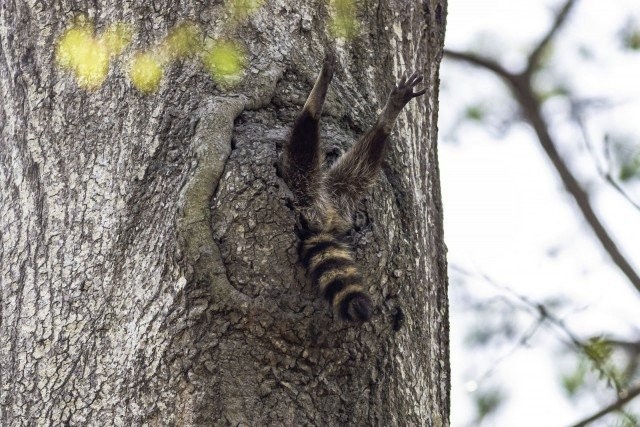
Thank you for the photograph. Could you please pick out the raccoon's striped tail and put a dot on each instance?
(332, 269)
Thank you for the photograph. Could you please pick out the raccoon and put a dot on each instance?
(326, 199)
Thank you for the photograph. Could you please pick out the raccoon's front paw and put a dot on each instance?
(403, 92)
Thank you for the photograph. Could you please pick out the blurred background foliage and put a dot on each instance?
(88, 54)
(543, 354)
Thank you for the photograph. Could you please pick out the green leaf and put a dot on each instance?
(475, 113)
(630, 35)
(242, 8)
(225, 60)
(343, 22)
(631, 40)
(556, 91)
(598, 350)
(145, 72)
(628, 419)
(183, 41)
(574, 381)
(487, 402)
(630, 169)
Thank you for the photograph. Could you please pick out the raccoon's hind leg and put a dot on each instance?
(316, 97)
(356, 170)
(302, 159)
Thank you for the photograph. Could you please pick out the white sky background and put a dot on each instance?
(507, 216)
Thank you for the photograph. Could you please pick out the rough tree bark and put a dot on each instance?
(148, 259)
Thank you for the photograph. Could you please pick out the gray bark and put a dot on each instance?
(148, 259)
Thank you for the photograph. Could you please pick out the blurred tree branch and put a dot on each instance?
(536, 53)
(632, 349)
(531, 106)
(480, 61)
(543, 315)
(624, 397)
(577, 115)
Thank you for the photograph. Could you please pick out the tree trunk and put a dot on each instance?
(148, 260)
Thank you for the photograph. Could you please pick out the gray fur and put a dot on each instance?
(326, 201)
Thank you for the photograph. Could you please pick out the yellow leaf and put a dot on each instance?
(242, 8)
(92, 65)
(183, 41)
(225, 60)
(72, 45)
(145, 72)
(116, 38)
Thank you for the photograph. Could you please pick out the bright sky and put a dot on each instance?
(507, 216)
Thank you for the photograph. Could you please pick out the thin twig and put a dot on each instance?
(576, 113)
(530, 105)
(544, 315)
(624, 397)
(534, 58)
(522, 341)
(625, 394)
